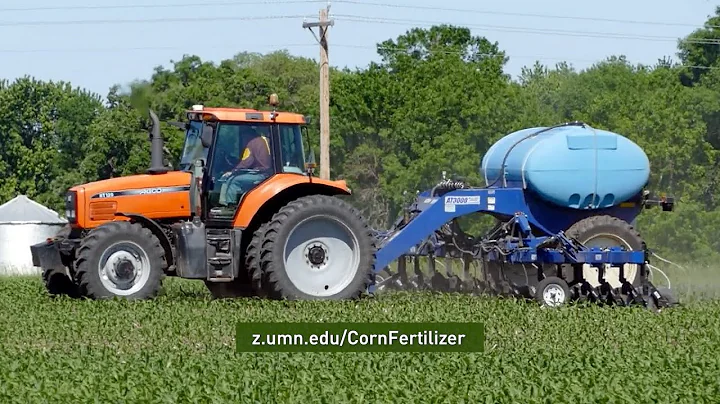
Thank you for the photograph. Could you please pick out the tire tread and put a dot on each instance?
(88, 280)
(275, 283)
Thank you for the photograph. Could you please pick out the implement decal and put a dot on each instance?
(452, 201)
(141, 191)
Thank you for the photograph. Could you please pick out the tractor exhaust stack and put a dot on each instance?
(156, 147)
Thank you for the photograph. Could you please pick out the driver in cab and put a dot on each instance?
(252, 168)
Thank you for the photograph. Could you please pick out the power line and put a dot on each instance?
(350, 18)
(512, 14)
(537, 31)
(353, 2)
(143, 48)
(164, 5)
(372, 20)
(149, 20)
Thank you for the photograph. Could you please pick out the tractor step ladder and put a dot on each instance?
(221, 263)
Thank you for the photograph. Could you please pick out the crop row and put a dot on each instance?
(180, 348)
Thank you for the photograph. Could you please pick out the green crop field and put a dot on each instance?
(180, 348)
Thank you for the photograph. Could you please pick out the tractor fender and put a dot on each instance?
(155, 228)
(260, 204)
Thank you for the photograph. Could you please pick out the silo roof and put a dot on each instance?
(22, 209)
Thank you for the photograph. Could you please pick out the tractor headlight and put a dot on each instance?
(71, 206)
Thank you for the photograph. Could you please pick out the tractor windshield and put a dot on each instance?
(193, 148)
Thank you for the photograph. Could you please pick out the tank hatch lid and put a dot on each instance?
(22, 209)
(594, 141)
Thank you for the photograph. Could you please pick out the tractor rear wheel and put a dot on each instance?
(258, 279)
(608, 231)
(317, 248)
(120, 259)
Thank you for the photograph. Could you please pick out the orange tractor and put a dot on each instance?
(243, 213)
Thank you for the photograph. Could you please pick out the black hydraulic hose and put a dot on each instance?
(448, 184)
(502, 166)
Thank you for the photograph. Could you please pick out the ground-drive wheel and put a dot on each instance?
(603, 232)
(552, 292)
(317, 247)
(120, 259)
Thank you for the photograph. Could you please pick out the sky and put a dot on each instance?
(95, 44)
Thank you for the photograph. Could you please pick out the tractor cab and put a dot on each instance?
(234, 150)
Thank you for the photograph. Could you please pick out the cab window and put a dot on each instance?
(291, 145)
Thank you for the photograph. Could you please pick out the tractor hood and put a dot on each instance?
(153, 196)
(136, 184)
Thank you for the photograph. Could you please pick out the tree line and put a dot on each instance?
(436, 101)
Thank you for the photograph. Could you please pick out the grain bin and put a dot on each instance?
(24, 222)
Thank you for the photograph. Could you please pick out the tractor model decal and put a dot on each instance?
(141, 191)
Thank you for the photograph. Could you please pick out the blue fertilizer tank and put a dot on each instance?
(577, 167)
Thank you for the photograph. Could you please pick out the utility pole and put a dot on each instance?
(323, 24)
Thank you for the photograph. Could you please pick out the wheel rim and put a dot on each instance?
(612, 274)
(321, 256)
(124, 268)
(554, 295)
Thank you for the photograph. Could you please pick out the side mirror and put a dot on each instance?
(207, 136)
(308, 119)
(310, 164)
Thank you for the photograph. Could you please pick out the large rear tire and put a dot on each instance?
(258, 278)
(608, 231)
(120, 259)
(317, 248)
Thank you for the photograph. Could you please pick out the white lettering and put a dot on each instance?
(452, 201)
(150, 191)
(462, 200)
(353, 337)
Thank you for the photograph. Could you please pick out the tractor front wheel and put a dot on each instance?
(317, 248)
(120, 259)
(59, 283)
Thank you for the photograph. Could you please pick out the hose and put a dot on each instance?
(667, 261)
(447, 184)
(652, 267)
(502, 166)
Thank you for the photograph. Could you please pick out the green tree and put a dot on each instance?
(699, 50)
(434, 103)
(43, 126)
